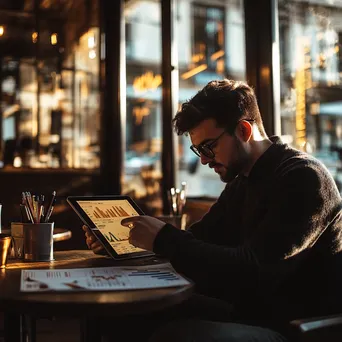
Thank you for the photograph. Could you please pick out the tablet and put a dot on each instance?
(103, 215)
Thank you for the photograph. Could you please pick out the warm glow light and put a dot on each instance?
(10, 110)
(91, 42)
(34, 37)
(194, 71)
(2, 30)
(92, 54)
(300, 107)
(54, 138)
(140, 113)
(197, 57)
(314, 108)
(54, 38)
(265, 72)
(147, 81)
(17, 161)
(217, 55)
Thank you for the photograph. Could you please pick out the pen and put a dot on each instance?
(50, 207)
(25, 217)
(26, 202)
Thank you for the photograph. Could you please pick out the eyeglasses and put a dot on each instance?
(207, 148)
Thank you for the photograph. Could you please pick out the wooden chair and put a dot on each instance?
(196, 207)
(318, 329)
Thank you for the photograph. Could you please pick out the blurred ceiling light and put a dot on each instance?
(17, 162)
(194, 71)
(10, 110)
(54, 38)
(220, 66)
(217, 55)
(54, 138)
(34, 37)
(197, 57)
(147, 81)
(92, 54)
(91, 42)
(2, 31)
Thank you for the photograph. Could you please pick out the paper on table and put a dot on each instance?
(101, 278)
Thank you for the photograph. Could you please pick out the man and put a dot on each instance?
(270, 245)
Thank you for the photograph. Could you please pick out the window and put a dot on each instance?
(143, 126)
(50, 84)
(211, 45)
(311, 97)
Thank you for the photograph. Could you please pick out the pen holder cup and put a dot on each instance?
(38, 241)
(5, 242)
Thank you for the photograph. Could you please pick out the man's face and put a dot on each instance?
(230, 157)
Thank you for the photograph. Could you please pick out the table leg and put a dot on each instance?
(14, 328)
(31, 328)
(90, 331)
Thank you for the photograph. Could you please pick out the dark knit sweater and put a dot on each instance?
(270, 244)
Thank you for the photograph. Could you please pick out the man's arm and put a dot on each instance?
(302, 205)
(206, 228)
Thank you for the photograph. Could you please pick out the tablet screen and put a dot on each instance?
(106, 216)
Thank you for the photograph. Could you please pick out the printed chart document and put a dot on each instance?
(101, 278)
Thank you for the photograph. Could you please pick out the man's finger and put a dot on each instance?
(91, 238)
(98, 249)
(85, 228)
(95, 245)
(130, 221)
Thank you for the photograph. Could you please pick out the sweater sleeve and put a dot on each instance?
(302, 204)
(206, 228)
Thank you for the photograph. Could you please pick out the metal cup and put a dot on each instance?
(5, 242)
(17, 232)
(38, 241)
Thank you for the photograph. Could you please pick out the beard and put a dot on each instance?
(238, 162)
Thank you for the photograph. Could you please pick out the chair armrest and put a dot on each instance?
(316, 329)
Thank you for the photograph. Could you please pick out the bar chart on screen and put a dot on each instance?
(102, 211)
(114, 211)
(107, 216)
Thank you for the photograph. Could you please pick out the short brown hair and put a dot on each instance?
(226, 101)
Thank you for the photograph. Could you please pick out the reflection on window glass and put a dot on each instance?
(311, 97)
(211, 45)
(143, 115)
(49, 84)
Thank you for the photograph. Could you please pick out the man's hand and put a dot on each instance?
(92, 242)
(143, 230)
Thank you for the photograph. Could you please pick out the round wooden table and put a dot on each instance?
(82, 304)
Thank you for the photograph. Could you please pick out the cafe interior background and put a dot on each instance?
(89, 88)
